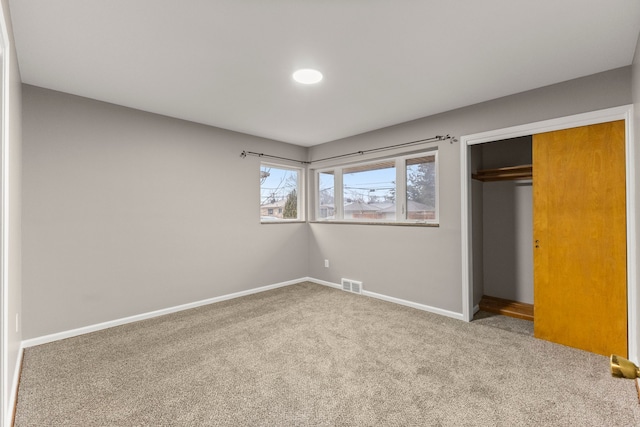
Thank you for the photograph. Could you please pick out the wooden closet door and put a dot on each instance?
(579, 222)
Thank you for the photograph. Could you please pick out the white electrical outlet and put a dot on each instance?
(326, 263)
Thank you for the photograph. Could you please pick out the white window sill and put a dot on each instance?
(395, 223)
(284, 221)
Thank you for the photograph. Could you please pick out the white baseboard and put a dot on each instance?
(416, 305)
(110, 324)
(323, 282)
(411, 304)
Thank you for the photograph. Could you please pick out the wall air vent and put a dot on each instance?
(352, 286)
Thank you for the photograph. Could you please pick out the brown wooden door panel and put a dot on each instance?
(579, 203)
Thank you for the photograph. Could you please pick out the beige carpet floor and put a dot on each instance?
(309, 355)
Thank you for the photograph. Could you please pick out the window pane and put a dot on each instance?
(278, 193)
(421, 188)
(370, 192)
(326, 195)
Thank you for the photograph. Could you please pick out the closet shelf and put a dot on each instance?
(504, 174)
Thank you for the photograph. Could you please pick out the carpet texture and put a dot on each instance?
(309, 355)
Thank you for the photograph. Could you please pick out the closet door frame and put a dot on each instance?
(607, 115)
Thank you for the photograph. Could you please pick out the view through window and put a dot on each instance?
(398, 189)
(279, 193)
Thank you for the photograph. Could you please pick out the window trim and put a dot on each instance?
(300, 190)
(400, 162)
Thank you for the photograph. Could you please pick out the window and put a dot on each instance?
(393, 190)
(369, 191)
(421, 188)
(326, 197)
(280, 196)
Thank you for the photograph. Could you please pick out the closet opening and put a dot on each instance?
(571, 187)
(502, 201)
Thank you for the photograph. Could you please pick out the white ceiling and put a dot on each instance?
(228, 63)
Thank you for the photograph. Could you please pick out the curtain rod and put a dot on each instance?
(355, 153)
(251, 153)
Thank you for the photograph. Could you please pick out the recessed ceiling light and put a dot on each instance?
(307, 76)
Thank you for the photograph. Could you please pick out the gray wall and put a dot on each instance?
(12, 185)
(423, 265)
(508, 238)
(127, 212)
(636, 106)
(507, 221)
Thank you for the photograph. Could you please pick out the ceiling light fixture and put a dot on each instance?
(307, 76)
